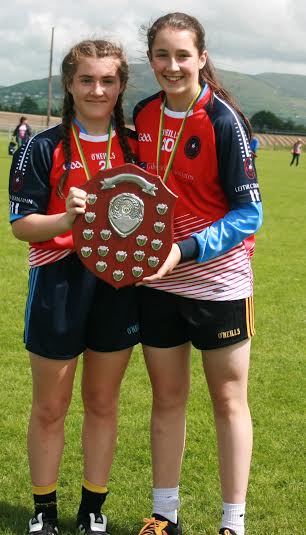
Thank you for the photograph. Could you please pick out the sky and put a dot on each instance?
(241, 35)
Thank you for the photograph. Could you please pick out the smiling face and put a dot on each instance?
(176, 63)
(95, 89)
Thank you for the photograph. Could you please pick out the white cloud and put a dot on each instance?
(251, 37)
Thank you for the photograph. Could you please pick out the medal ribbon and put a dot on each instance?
(160, 135)
(81, 152)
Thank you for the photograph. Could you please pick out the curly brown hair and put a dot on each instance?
(97, 48)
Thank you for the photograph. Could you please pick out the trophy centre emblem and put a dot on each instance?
(126, 213)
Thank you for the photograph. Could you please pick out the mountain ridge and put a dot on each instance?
(282, 94)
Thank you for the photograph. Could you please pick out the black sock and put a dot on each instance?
(91, 502)
(47, 504)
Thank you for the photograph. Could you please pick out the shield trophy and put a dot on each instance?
(126, 232)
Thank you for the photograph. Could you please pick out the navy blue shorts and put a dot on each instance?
(68, 310)
(169, 320)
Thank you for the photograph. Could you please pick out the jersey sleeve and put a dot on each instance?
(235, 162)
(237, 225)
(29, 183)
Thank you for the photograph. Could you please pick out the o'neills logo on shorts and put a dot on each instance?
(229, 334)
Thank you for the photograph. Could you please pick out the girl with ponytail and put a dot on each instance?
(196, 138)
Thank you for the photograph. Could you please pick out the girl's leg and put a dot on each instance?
(226, 372)
(102, 376)
(52, 390)
(169, 374)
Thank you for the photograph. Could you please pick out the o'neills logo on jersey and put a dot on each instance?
(17, 181)
(229, 334)
(73, 165)
(142, 136)
(192, 147)
(249, 168)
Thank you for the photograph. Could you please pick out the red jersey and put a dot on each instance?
(212, 171)
(35, 173)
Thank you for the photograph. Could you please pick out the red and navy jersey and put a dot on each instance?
(35, 172)
(212, 172)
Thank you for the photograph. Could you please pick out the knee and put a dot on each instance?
(228, 407)
(170, 398)
(100, 406)
(50, 413)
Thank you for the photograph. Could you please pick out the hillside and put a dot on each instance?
(282, 94)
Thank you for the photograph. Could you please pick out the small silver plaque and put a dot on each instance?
(137, 271)
(159, 226)
(101, 266)
(139, 255)
(86, 251)
(156, 244)
(141, 239)
(91, 198)
(118, 275)
(161, 208)
(121, 256)
(105, 234)
(153, 261)
(88, 233)
(90, 217)
(103, 250)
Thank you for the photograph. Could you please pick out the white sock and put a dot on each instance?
(166, 503)
(233, 517)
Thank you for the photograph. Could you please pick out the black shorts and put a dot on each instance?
(68, 309)
(169, 320)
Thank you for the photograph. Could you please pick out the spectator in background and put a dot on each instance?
(296, 152)
(254, 146)
(22, 132)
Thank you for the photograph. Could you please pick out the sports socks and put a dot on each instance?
(233, 517)
(166, 503)
(93, 497)
(45, 501)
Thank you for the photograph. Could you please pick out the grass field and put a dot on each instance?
(276, 498)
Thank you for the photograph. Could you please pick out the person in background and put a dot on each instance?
(22, 132)
(254, 146)
(69, 311)
(196, 138)
(296, 152)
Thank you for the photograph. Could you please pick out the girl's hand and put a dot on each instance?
(171, 261)
(75, 203)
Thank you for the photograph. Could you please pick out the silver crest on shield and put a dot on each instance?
(153, 261)
(156, 244)
(159, 226)
(86, 251)
(139, 255)
(125, 213)
(91, 198)
(141, 239)
(105, 234)
(88, 233)
(118, 275)
(90, 217)
(161, 208)
(101, 266)
(103, 250)
(137, 271)
(121, 256)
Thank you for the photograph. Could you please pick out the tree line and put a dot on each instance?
(262, 121)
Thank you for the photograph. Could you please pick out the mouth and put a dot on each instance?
(173, 79)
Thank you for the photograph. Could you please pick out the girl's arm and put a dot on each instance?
(237, 225)
(41, 227)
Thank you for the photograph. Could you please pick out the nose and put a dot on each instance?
(97, 89)
(173, 65)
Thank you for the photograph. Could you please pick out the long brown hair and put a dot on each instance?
(97, 48)
(182, 21)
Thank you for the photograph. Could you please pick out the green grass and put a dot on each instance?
(276, 498)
